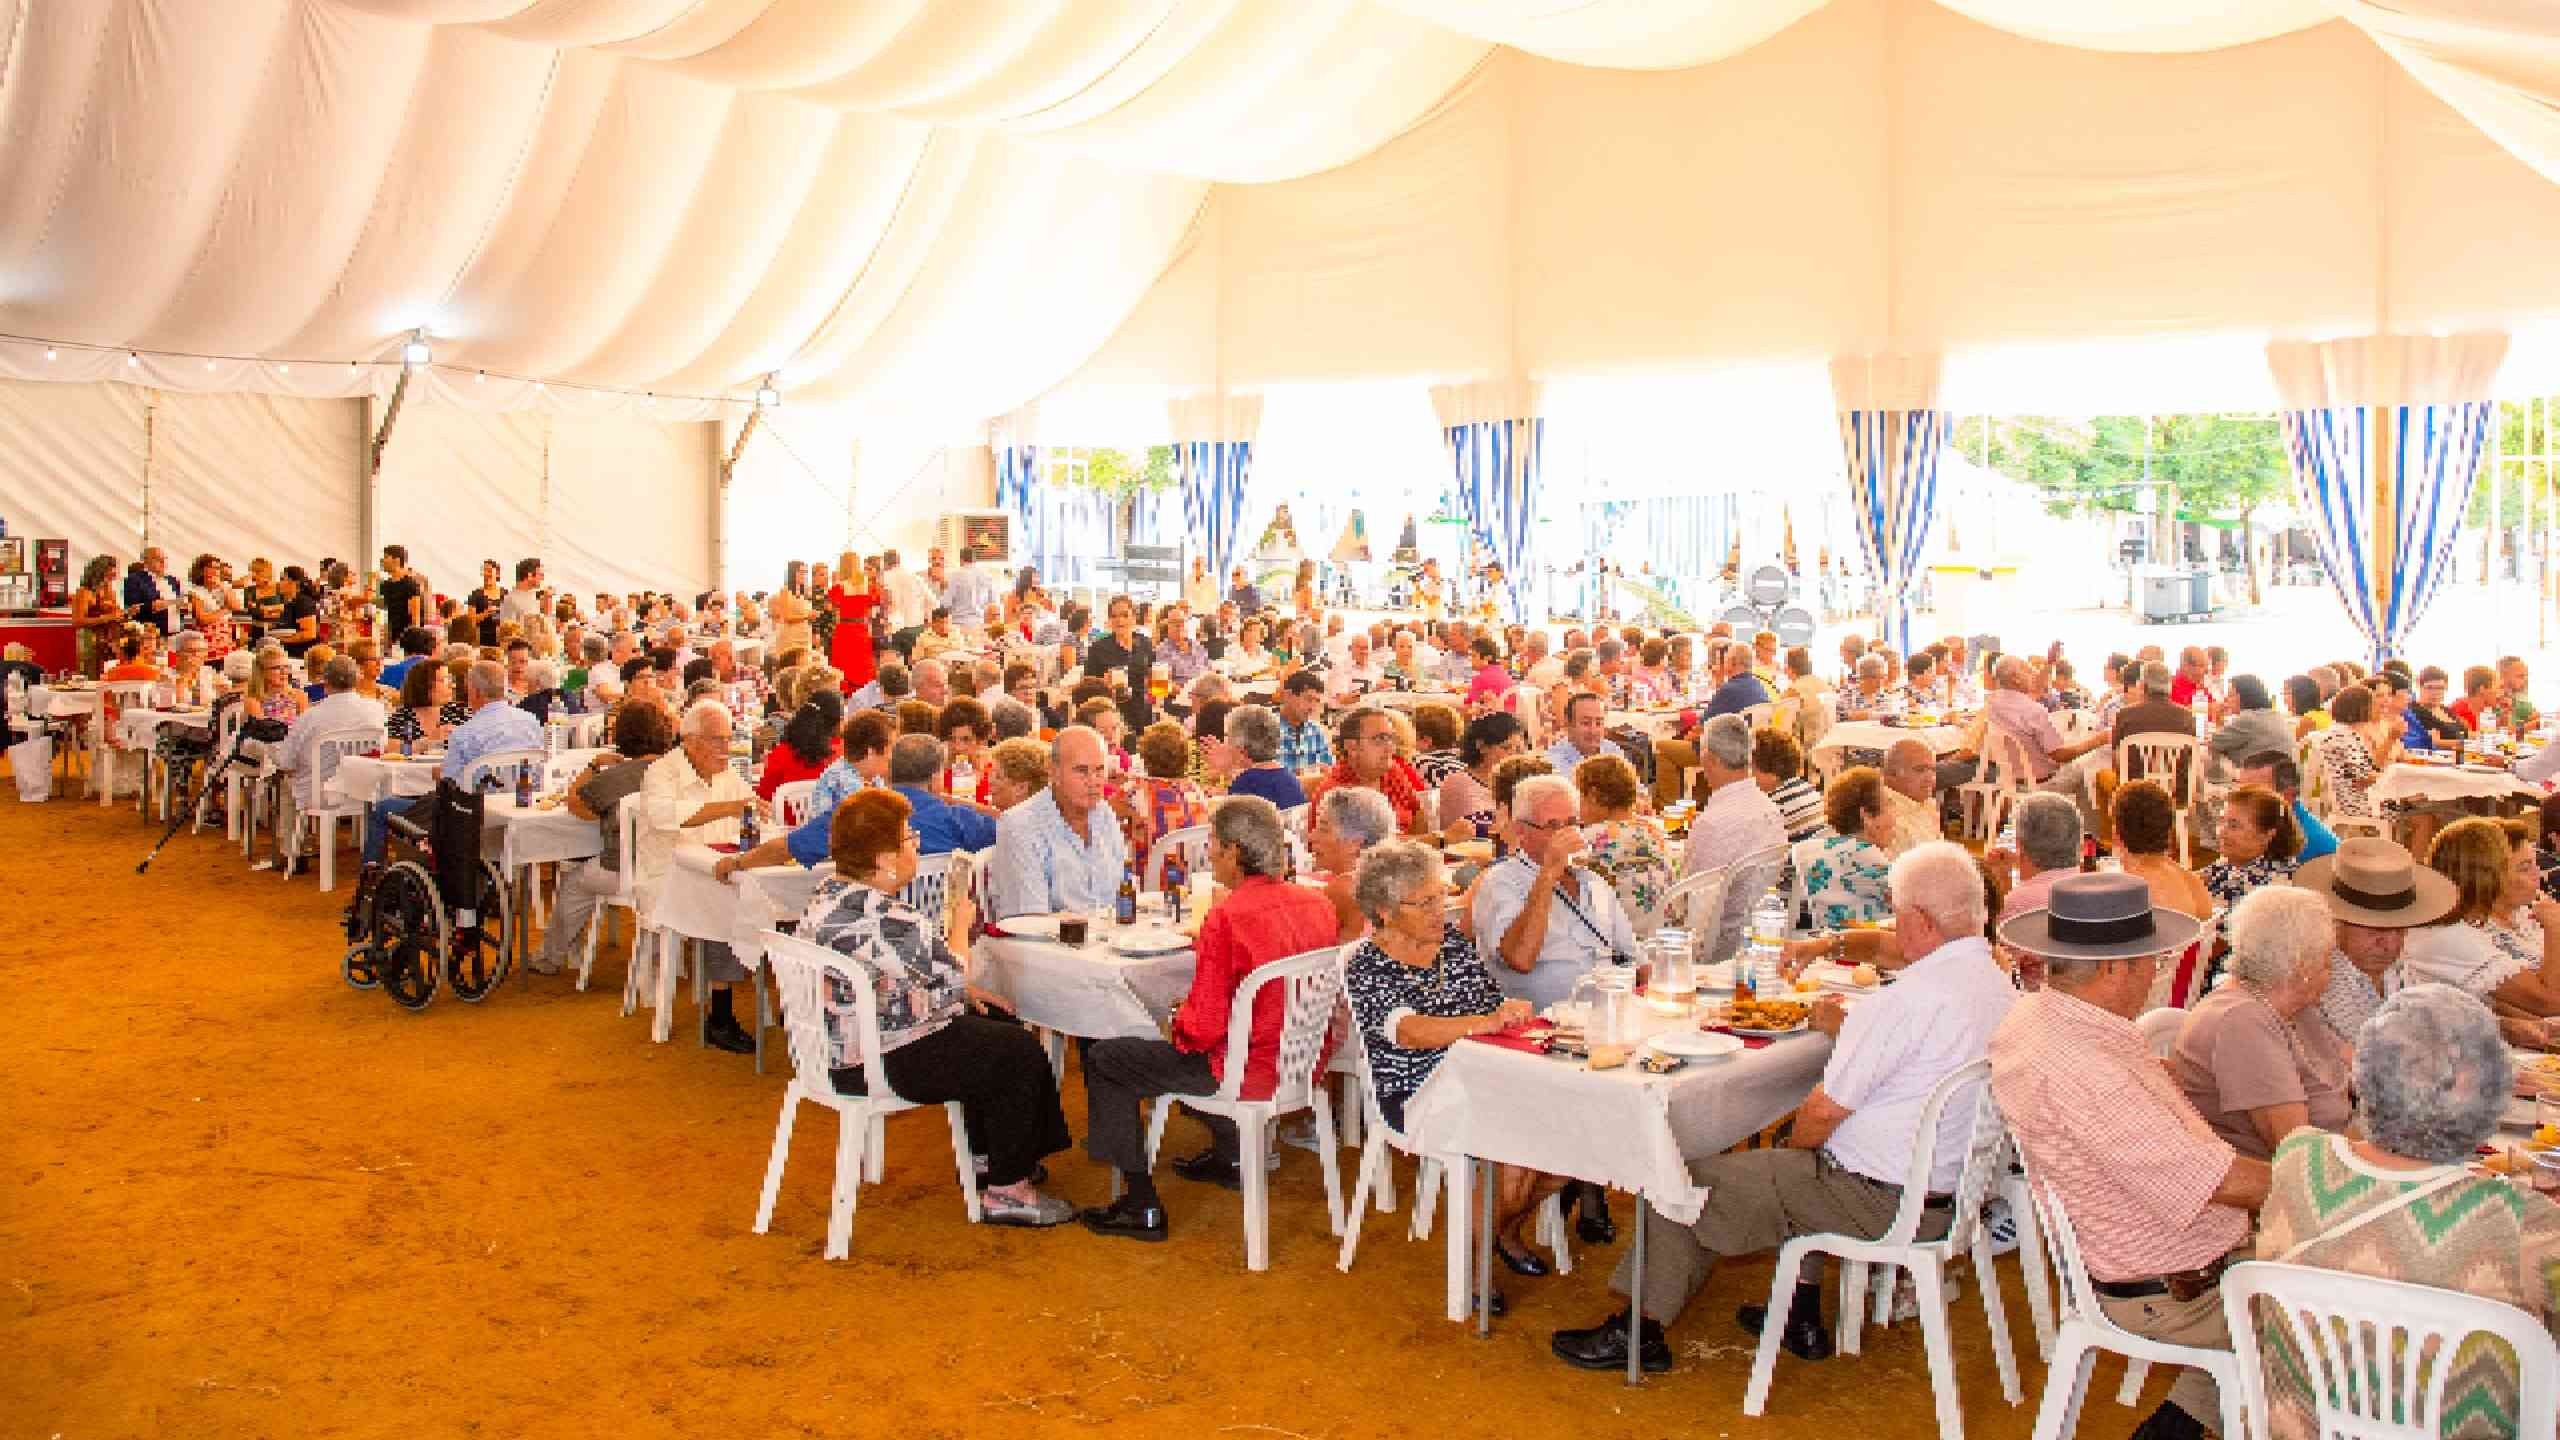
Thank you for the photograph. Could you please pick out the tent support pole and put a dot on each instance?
(390, 418)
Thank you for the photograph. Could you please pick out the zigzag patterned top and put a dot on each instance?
(2484, 1235)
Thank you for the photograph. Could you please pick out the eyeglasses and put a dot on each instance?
(1544, 824)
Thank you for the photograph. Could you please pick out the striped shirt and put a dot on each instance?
(2102, 1123)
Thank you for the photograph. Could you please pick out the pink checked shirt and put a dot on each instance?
(2102, 1123)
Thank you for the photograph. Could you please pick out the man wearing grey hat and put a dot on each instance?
(2158, 1201)
(2376, 895)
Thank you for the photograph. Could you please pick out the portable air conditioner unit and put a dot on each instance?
(990, 531)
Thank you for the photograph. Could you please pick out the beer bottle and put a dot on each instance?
(1124, 909)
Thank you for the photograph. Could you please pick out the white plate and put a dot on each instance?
(1695, 1044)
(1031, 927)
(1148, 940)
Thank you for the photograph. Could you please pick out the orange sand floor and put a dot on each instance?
(246, 1200)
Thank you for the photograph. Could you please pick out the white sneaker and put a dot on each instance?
(2000, 1225)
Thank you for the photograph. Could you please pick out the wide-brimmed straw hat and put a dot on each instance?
(2373, 882)
(2103, 916)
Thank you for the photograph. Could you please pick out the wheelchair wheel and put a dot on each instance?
(357, 966)
(477, 957)
(409, 936)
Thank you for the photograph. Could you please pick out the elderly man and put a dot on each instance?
(1910, 791)
(2048, 849)
(2153, 713)
(1866, 696)
(1738, 687)
(1842, 1169)
(1739, 821)
(342, 708)
(1304, 747)
(2376, 896)
(1544, 919)
(692, 796)
(2013, 710)
(151, 593)
(491, 726)
(1358, 674)
(2159, 1202)
(1061, 850)
(933, 684)
(1263, 918)
(1585, 721)
(2189, 683)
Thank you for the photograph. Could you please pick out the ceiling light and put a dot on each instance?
(48, 352)
(767, 397)
(416, 353)
(131, 358)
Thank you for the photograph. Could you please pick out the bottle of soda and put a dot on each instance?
(1124, 907)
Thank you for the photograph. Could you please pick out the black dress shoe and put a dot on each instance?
(1127, 1219)
(1604, 1346)
(1805, 1336)
(728, 1035)
(1210, 1168)
(1522, 1262)
(1595, 1227)
(2169, 1422)
(1499, 1305)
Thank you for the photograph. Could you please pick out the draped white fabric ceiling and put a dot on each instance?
(939, 208)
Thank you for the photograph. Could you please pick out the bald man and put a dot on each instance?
(1061, 850)
(1911, 793)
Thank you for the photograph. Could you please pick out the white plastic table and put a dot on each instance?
(1090, 991)
(46, 702)
(693, 902)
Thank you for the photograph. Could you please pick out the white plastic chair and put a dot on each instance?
(2160, 1030)
(114, 698)
(2176, 764)
(791, 801)
(2086, 1330)
(2379, 1353)
(1759, 716)
(800, 971)
(323, 757)
(1191, 842)
(500, 766)
(626, 818)
(226, 733)
(929, 891)
(1985, 801)
(1986, 1159)
(1312, 986)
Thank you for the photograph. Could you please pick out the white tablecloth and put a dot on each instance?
(43, 702)
(2407, 782)
(1625, 1127)
(736, 912)
(1868, 735)
(1088, 990)
(138, 729)
(365, 780)
(1414, 699)
(538, 836)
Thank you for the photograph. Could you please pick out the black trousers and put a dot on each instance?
(1120, 1075)
(1001, 1078)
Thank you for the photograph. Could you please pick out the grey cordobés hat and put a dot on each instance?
(2103, 916)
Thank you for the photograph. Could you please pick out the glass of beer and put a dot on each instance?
(1160, 682)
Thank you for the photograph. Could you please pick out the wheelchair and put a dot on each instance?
(436, 914)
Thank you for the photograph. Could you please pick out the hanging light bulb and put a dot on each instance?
(416, 353)
(130, 358)
(48, 352)
(767, 397)
(285, 369)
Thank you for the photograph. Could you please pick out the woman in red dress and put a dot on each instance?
(853, 598)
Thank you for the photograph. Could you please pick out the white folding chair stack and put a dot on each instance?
(791, 801)
(2379, 1354)
(1311, 987)
(1190, 844)
(2176, 764)
(1986, 1159)
(802, 973)
(323, 757)
(2085, 1330)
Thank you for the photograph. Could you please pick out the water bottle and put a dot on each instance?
(555, 736)
(964, 780)
(1768, 937)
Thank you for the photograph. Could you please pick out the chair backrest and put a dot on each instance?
(802, 983)
(1799, 857)
(114, 698)
(2172, 761)
(1191, 842)
(1523, 703)
(2004, 761)
(929, 891)
(1313, 985)
(1986, 1156)
(1758, 716)
(1751, 879)
(982, 864)
(2378, 1356)
(586, 732)
(336, 745)
(626, 825)
(2160, 1029)
(501, 766)
(791, 801)
(1700, 894)
(2078, 1299)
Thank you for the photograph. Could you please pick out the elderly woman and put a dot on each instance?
(1017, 769)
(1626, 849)
(1844, 871)
(941, 1038)
(1163, 797)
(1872, 697)
(2254, 1056)
(1252, 761)
(1367, 758)
(1466, 797)
(193, 681)
(1349, 821)
(2431, 1081)
(2146, 828)
(2257, 839)
(2502, 932)
(1416, 987)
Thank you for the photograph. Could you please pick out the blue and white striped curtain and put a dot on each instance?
(1214, 473)
(1017, 492)
(1496, 465)
(2384, 435)
(1893, 486)
(2385, 487)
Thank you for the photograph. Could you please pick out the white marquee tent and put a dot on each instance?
(221, 219)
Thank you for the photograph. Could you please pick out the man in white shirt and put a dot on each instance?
(1358, 673)
(693, 796)
(341, 709)
(910, 603)
(1739, 821)
(526, 599)
(1852, 1140)
(1543, 922)
(1062, 849)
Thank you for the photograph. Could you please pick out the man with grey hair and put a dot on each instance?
(1012, 719)
(492, 726)
(1739, 822)
(2160, 1203)
(1910, 771)
(1843, 1167)
(1060, 850)
(2048, 848)
(1253, 734)
(2254, 1056)
(1263, 918)
(941, 827)
(693, 795)
(341, 710)
(1545, 920)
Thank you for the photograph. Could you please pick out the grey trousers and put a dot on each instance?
(582, 885)
(1119, 1077)
(1758, 1200)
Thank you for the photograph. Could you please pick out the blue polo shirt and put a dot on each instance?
(2317, 839)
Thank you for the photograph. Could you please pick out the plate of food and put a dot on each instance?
(1031, 927)
(1765, 1019)
(1694, 1044)
(1149, 940)
(1476, 851)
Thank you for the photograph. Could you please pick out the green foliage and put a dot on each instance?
(2222, 466)
(2516, 480)
(1117, 472)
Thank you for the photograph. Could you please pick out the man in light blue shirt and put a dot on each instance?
(1585, 718)
(1543, 922)
(1061, 849)
(494, 725)
(972, 591)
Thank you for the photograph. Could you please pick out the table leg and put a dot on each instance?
(1635, 1297)
(1484, 1251)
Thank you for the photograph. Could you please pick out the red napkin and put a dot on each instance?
(725, 847)
(1528, 1038)
(1749, 1042)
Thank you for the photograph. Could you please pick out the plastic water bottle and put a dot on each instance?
(964, 780)
(1768, 936)
(555, 736)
